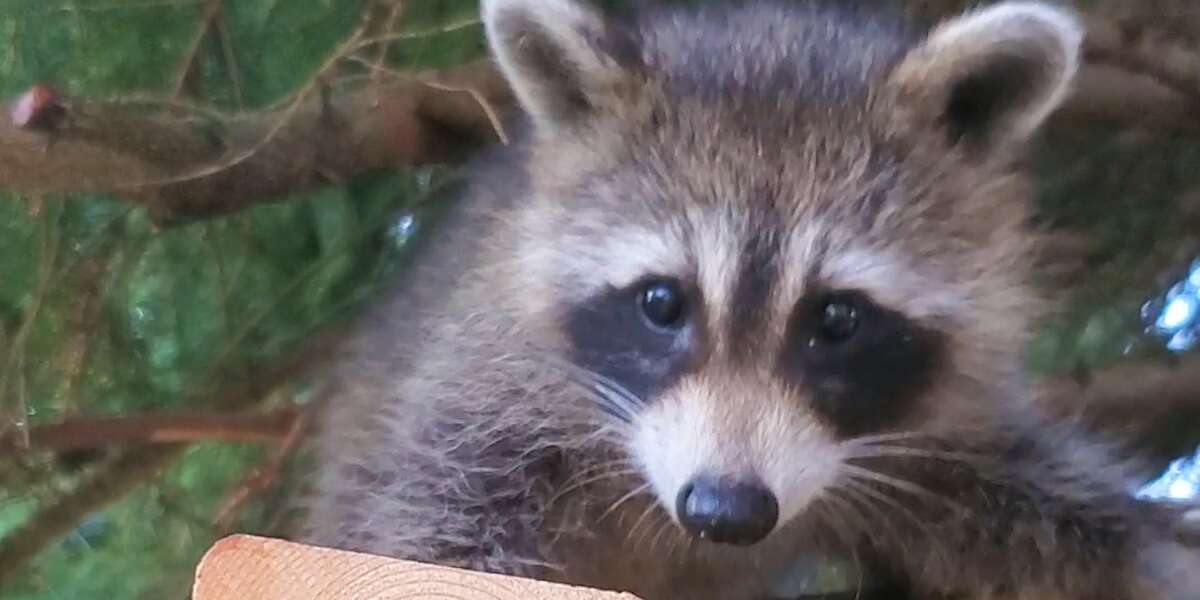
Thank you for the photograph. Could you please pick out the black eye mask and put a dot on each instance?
(863, 365)
(644, 337)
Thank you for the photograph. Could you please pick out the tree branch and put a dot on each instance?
(105, 486)
(264, 475)
(166, 434)
(186, 168)
(1154, 404)
(1113, 96)
(181, 169)
(80, 433)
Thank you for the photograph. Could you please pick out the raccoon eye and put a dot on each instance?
(838, 320)
(662, 304)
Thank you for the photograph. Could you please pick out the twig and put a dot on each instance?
(85, 317)
(92, 432)
(492, 114)
(14, 366)
(231, 63)
(263, 476)
(279, 122)
(105, 486)
(422, 33)
(394, 14)
(132, 5)
(212, 9)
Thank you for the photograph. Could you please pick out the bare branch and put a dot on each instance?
(212, 9)
(263, 476)
(1153, 403)
(131, 467)
(110, 147)
(103, 487)
(1135, 387)
(1110, 95)
(12, 372)
(182, 169)
(91, 432)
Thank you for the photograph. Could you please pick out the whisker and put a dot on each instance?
(901, 484)
(894, 504)
(687, 547)
(616, 400)
(913, 434)
(848, 539)
(602, 477)
(850, 544)
(895, 436)
(623, 499)
(606, 465)
(832, 495)
(830, 510)
(590, 376)
(905, 452)
(842, 531)
(983, 466)
(666, 526)
(633, 531)
(888, 529)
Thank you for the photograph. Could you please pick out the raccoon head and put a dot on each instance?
(779, 232)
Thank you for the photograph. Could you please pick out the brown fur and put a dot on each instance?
(804, 145)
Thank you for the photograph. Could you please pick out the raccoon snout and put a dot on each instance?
(727, 511)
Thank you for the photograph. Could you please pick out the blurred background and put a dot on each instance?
(195, 194)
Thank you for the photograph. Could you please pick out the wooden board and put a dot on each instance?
(243, 567)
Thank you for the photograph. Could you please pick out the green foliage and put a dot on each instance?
(102, 313)
(147, 546)
(1124, 194)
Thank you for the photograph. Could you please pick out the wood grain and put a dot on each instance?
(243, 567)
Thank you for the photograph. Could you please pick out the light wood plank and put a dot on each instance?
(243, 567)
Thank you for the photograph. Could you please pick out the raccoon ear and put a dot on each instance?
(992, 76)
(563, 59)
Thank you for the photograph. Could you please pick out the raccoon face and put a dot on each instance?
(778, 231)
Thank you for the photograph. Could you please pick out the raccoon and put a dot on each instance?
(749, 286)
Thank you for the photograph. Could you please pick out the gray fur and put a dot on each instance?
(456, 436)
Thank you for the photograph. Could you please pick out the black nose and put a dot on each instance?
(727, 511)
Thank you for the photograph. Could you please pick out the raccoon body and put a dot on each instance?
(750, 287)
